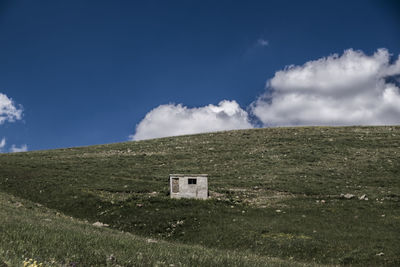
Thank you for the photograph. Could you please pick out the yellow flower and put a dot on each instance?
(32, 263)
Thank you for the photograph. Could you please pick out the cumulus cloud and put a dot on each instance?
(2, 144)
(351, 89)
(22, 148)
(8, 110)
(171, 120)
(348, 89)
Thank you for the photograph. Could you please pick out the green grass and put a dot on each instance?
(33, 232)
(275, 192)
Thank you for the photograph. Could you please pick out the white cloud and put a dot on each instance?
(171, 120)
(8, 110)
(22, 148)
(262, 42)
(2, 144)
(348, 89)
(351, 89)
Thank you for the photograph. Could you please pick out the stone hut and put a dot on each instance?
(188, 186)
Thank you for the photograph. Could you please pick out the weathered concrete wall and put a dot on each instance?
(181, 188)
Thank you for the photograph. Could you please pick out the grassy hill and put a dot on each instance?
(35, 233)
(276, 193)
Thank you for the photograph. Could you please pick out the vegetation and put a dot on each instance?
(42, 237)
(275, 193)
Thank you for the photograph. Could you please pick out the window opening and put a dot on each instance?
(192, 181)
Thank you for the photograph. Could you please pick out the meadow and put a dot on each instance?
(278, 197)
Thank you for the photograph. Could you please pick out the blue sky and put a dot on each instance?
(88, 72)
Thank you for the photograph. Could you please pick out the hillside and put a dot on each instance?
(276, 193)
(52, 239)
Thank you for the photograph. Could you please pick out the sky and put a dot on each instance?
(78, 73)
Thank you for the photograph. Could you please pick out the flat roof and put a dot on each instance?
(188, 175)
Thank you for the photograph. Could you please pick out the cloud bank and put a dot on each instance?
(15, 149)
(348, 89)
(8, 110)
(351, 89)
(171, 120)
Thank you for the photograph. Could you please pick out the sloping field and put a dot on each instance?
(275, 193)
(35, 233)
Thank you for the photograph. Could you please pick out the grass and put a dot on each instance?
(276, 193)
(53, 239)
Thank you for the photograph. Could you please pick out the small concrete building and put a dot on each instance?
(188, 186)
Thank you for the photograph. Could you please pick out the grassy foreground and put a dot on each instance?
(276, 193)
(30, 231)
